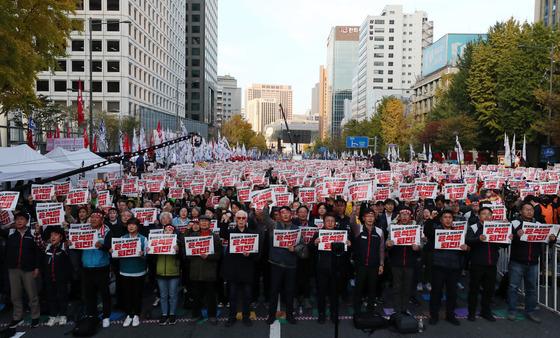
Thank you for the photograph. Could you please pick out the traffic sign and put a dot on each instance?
(357, 142)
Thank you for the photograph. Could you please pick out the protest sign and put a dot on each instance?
(243, 194)
(307, 233)
(197, 188)
(307, 195)
(405, 234)
(455, 191)
(360, 191)
(383, 177)
(407, 191)
(537, 232)
(381, 193)
(460, 225)
(498, 212)
(6, 217)
(130, 187)
(144, 215)
(335, 186)
(104, 199)
(176, 193)
(8, 200)
(50, 214)
(260, 198)
(82, 239)
(286, 238)
(279, 188)
(153, 186)
(449, 239)
(42, 192)
(61, 189)
(126, 247)
(327, 237)
(497, 232)
(319, 223)
(99, 185)
(548, 188)
(162, 244)
(77, 197)
(243, 243)
(199, 245)
(80, 226)
(426, 190)
(283, 199)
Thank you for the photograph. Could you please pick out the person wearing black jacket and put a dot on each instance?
(484, 257)
(369, 253)
(524, 259)
(327, 283)
(403, 260)
(238, 269)
(22, 259)
(447, 265)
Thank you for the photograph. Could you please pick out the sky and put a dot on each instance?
(284, 41)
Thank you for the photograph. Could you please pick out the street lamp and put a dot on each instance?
(90, 22)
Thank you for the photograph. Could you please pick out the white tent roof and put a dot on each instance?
(23, 163)
(81, 158)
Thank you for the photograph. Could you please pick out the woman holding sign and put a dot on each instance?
(132, 267)
(238, 269)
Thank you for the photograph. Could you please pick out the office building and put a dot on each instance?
(138, 62)
(390, 57)
(228, 101)
(281, 93)
(342, 58)
(547, 12)
(439, 61)
(202, 60)
(262, 111)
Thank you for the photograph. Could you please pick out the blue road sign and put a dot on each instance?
(357, 142)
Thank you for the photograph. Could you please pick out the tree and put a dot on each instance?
(392, 119)
(441, 133)
(114, 124)
(33, 34)
(258, 141)
(238, 131)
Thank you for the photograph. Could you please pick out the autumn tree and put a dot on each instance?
(238, 131)
(391, 111)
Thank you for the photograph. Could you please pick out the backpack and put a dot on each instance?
(86, 327)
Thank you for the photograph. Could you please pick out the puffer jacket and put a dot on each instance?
(205, 270)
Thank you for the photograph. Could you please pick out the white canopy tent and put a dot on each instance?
(23, 163)
(81, 158)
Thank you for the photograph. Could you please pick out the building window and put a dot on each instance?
(113, 26)
(94, 5)
(77, 45)
(195, 7)
(77, 24)
(390, 64)
(195, 96)
(377, 80)
(391, 38)
(378, 55)
(96, 66)
(390, 55)
(42, 85)
(379, 22)
(113, 45)
(97, 86)
(112, 5)
(196, 29)
(195, 85)
(195, 73)
(113, 86)
(195, 18)
(113, 66)
(390, 72)
(96, 25)
(195, 106)
(114, 106)
(77, 65)
(390, 80)
(391, 22)
(195, 40)
(379, 38)
(391, 47)
(378, 71)
(195, 51)
(96, 46)
(391, 30)
(379, 47)
(379, 30)
(61, 65)
(378, 63)
(59, 86)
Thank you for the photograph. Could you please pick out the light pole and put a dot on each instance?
(90, 43)
(178, 82)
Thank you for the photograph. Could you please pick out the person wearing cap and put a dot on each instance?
(22, 257)
(283, 264)
(203, 273)
(168, 272)
(369, 252)
(403, 259)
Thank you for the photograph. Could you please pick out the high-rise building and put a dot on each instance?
(548, 12)
(322, 97)
(390, 57)
(262, 111)
(228, 102)
(281, 93)
(138, 62)
(202, 59)
(342, 58)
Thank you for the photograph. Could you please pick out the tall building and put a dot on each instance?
(138, 62)
(390, 57)
(228, 102)
(202, 56)
(281, 93)
(548, 12)
(262, 111)
(439, 61)
(322, 97)
(342, 58)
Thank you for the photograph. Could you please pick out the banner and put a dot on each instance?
(405, 234)
(82, 239)
(49, 214)
(426, 190)
(407, 191)
(455, 191)
(70, 144)
(243, 243)
(537, 232)
(360, 191)
(449, 239)
(497, 232)
(307, 233)
(176, 193)
(42, 192)
(327, 237)
(285, 238)
(8, 200)
(61, 189)
(548, 188)
(162, 244)
(77, 197)
(199, 245)
(104, 199)
(498, 212)
(307, 196)
(126, 247)
(145, 215)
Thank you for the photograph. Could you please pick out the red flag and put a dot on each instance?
(30, 138)
(159, 131)
(94, 146)
(57, 132)
(86, 139)
(126, 143)
(49, 134)
(80, 104)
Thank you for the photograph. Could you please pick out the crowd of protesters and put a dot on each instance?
(39, 263)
